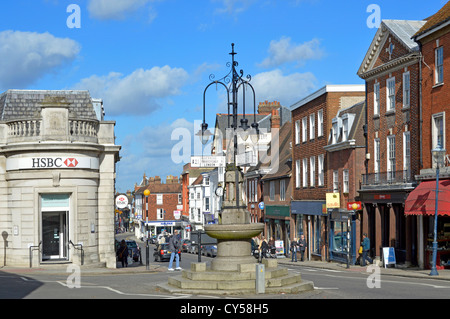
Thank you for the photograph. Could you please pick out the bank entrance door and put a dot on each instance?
(55, 227)
(54, 236)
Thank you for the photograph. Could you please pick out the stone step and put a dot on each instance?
(283, 281)
(184, 283)
(294, 288)
(288, 289)
(227, 276)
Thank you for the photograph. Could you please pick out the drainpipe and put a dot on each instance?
(366, 133)
(420, 108)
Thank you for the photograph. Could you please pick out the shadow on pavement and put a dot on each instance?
(15, 286)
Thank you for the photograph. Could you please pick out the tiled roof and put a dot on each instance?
(404, 30)
(21, 104)
(435, 20)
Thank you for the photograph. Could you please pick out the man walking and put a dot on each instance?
(174, 247)
(302, 246)
(366, 247)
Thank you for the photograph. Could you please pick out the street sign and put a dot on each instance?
(208, 161)
(121, 201)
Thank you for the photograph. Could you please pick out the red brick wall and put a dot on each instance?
(170, 202)
(330, 103)
(435, 99)
(397, 122)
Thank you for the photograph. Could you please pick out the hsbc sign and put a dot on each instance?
(62, 162)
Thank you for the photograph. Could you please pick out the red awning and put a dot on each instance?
(422, 200)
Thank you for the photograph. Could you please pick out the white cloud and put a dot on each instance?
(138, 93)
(150, 151)
(114, 9)
(287, 89)
(27, 56)
(283, 51)
(233, 6)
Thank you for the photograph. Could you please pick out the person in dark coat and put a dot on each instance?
(302, 246)
(123, 253)
(294, 248)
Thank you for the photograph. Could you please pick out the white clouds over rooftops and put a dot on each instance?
(27, 56)
(137, 93)
(287, 89)
(284, 51)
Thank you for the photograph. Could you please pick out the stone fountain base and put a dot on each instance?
(203, 280)
(233, 271)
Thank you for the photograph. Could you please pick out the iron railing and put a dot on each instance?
(387, 178)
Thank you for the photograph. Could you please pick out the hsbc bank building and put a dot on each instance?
(57, 178)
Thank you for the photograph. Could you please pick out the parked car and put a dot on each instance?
(162, 252)
(210, 250)
(133, 250)
(185, 243)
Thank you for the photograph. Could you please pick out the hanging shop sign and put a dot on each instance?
(121, 201)
(333, 200)
(354, 206)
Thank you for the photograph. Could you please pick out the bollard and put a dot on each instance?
(147, 256)
(260, 279)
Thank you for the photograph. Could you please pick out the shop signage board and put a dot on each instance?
(279, 246)
(388, 256)
(354, 206)
(52, 162)
(333, 200)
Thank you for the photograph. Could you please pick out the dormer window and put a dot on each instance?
(345, 129)
(335, 133)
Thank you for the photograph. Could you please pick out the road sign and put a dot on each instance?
(208, 161)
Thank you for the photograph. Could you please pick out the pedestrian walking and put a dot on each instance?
(294, 246)
(263, 247)
(302, 246)
(366, 247)
(123, 253)
(174, 247)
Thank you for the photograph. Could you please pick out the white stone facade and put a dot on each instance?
(57, 176)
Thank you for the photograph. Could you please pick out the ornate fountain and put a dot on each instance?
(233, 271)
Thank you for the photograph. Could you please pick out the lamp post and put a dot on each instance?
(439, 157)
(147, 246)
(234, 80)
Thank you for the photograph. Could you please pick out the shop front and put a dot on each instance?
(421, 204)
(277, 219)
(311, 220)
(343, 237)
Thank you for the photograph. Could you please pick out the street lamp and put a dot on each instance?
(147, 246)
(234, 80)
(439, 157)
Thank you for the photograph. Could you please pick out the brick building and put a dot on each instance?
(434, 40)
(276, 189)
(311, 123)
(345, 158)
(391, 71)
(161, 210)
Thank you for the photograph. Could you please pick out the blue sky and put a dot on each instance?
(150, 60)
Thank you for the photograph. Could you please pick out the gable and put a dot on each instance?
(395, 33)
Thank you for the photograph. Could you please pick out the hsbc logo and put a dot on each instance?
(71, 162)
(54, 162)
